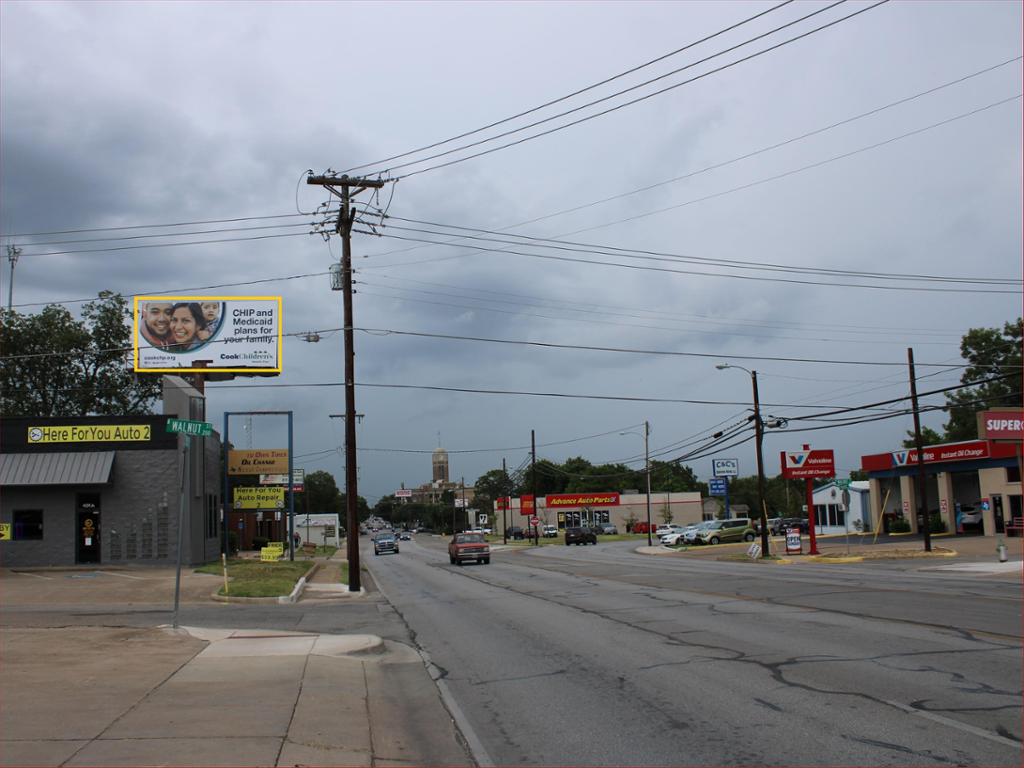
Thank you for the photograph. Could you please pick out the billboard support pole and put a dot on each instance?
(226, 498)
(291, 493)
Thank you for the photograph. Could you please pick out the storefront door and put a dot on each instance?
(87, 528)
(997, 512)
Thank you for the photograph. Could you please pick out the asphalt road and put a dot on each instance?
(599, 656)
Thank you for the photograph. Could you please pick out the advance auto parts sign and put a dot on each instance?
(582, 499)
(235, 334)
(273, 461)
(93, 433)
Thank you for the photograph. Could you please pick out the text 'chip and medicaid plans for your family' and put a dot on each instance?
(232, 334)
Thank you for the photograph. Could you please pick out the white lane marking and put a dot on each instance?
(122, 575)
(476, 746)
(956, 724)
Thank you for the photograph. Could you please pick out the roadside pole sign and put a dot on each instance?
(718, 486)
(820, 462)
(725, 467)
(193, 428)
(842, 483)
(534, 521)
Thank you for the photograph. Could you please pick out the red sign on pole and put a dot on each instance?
(808, 463)
(526, 505)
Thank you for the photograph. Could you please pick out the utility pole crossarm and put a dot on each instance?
(344, 181)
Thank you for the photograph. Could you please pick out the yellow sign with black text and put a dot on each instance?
(272, 461)
(5, 531)
(259, 497)
(91, 433)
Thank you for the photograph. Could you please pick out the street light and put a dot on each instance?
(647, 471)
(759, 432)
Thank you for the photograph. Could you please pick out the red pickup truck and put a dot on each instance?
(468, 546)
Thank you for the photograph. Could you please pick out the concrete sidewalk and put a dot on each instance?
(123, 696)
(969, 554)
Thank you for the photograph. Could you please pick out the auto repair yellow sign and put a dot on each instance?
(259, 497)
(92, 433)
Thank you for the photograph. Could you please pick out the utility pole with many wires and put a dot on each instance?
(345, 188)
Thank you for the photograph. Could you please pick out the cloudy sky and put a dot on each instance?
(756, 221)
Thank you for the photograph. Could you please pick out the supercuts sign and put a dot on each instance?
(1001, 425)
(582, 499)
(803, 464)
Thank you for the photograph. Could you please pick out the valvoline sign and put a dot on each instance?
(809, 463)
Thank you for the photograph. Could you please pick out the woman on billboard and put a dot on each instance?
(187, 322)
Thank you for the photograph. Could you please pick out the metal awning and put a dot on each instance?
(56, 468)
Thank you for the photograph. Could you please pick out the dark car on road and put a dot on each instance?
(579, 536)
(792, 522)
(385, 542)
(514, 532)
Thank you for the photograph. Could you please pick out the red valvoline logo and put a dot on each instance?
(900, 458)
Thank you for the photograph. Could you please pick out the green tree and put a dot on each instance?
(989, 352)
(489, 487)
(323, 494)
(928, 437)
(551, 478)
(55, 365)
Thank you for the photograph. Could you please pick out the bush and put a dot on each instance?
(936, 524)
(899, 525)
(259, 542)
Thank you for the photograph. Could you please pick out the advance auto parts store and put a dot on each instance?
(104, 489)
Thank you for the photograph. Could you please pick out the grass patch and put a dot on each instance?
(889, 554)
(253, 578)
(739, 557)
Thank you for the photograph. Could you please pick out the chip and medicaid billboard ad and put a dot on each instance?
(232, 334)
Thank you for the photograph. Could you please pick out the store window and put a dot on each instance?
(28, 524)
(1013, 474)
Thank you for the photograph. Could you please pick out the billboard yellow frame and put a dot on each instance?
(135, 334)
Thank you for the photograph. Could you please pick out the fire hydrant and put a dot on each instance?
(1001, 549)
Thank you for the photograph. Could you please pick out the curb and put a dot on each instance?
(300, 585)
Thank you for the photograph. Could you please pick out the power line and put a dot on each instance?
(508, 297)
(170, 245)
(609, 250)
(618, 324)
(626, 350)
(573, 94)
(632, 101)
(649, 268)
(233, 220)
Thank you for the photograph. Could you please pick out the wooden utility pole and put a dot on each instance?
(346, 188)
(922, 500)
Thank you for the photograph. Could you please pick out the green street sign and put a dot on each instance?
(843, 483)
(186, 427)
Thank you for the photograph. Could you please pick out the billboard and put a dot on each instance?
(236, 334)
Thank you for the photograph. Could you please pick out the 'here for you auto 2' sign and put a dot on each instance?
(174, 334)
